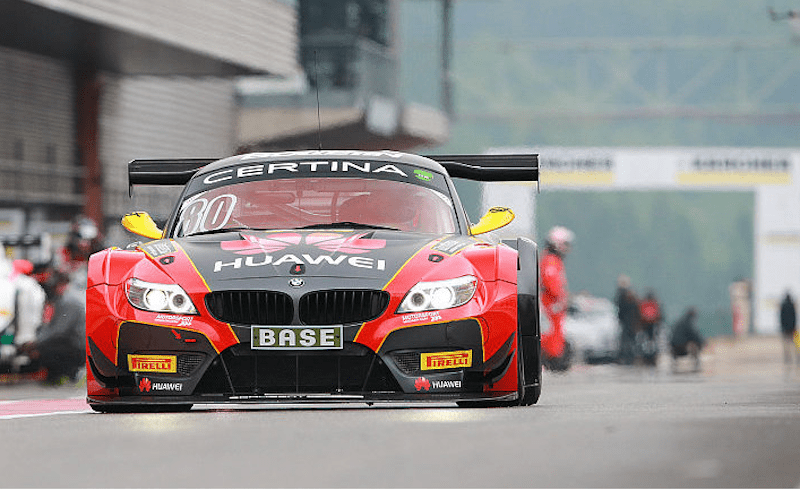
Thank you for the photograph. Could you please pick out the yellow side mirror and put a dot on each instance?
(142, 224)
(493, 219)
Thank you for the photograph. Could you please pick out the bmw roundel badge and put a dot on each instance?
(296, 282)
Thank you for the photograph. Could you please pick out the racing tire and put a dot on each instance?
(528, 395)
(163, 408)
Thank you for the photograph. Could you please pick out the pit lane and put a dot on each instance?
(735, 424)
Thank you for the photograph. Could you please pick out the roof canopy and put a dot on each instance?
(93, 38)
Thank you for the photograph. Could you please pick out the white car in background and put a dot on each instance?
(21, 306)
(591, 328)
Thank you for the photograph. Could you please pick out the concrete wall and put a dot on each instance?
(153, 117)
(36, 131)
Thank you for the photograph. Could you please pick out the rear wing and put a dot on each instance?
(491, 168)
(168, 171)
(485, 168)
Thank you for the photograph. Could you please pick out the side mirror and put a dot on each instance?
(143, 225)
(493, 219)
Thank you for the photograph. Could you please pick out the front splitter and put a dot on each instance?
(292, 398)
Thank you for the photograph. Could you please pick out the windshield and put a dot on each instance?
(317, 203)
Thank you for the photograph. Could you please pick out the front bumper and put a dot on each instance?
(354, 373)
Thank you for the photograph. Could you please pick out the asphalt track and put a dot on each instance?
(736, 424)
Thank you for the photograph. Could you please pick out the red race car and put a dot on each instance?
(316, 276)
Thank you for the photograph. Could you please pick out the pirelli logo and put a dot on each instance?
(446, 360)
(141, 363)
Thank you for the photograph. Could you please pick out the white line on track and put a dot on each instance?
(15, 409)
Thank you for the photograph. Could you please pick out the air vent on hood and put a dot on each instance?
(342, 306)
(251, 307)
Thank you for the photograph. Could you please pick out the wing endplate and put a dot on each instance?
(491, 168)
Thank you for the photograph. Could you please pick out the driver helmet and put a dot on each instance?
(84, 238)
(560, 239)
(84, 228)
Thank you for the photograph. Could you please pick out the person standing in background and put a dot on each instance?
(555, 297)
(650, 317)
(628, 314)
(788, 329)
(740, 292)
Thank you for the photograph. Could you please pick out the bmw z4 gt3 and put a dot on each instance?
(313, 276)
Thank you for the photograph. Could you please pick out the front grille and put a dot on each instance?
(352, 370)
(188, 363)
(251, 307)
(342, 306)
(408, 362)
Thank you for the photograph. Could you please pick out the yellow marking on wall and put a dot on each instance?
(734, 178)
(782, 239)
(576, 178)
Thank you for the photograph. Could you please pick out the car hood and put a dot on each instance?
(248, 259)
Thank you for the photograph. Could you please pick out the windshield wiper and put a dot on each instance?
(225, 230)
(346, 224)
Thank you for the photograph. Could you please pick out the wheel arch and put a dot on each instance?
(528, 318)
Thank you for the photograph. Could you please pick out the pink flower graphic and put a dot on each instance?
(347, 244)
(254, 245)
(330, 242)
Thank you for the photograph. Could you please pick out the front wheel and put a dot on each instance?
(528, 352)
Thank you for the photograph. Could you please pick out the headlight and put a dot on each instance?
(164, 298)
(439, 295)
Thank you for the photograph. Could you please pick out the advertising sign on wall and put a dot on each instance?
(770, 173)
